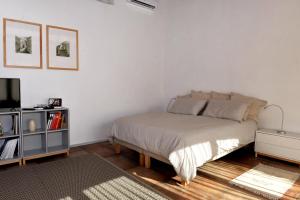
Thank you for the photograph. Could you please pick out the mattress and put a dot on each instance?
(187, 141)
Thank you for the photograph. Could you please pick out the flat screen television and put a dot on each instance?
(10, 94)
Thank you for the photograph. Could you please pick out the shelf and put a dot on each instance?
(9, 161)
(8, 112)
(34, 152)
(56, 109)
(14, 158)
(45, 110)
(57, 130)
(37, 144)
(38, 131)
(57, 148)
(32, 111)
(9, 135)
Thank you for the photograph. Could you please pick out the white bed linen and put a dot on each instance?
(186, 141)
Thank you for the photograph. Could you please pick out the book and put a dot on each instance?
(62, 121)
(55, 121)
(9, 149)
(50, 120)
(58, 121)
(2, 144)
(15, 125)
(48, 123)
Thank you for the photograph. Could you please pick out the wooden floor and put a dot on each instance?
(212, 182)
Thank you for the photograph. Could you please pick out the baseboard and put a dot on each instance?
(87, 143)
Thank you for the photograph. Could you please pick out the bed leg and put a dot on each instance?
(117, 148)
(185, 183)
(142, 159)
(147, 161)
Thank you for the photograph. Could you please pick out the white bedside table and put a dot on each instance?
(280, 146)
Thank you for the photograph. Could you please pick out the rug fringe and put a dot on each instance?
(268, 196)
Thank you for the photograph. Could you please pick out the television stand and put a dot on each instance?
(47, 139)
(51, 136)
(10, 121)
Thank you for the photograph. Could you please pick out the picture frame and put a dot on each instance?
(62, 48)
(22, 44)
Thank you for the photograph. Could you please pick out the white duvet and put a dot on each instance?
(186, 141)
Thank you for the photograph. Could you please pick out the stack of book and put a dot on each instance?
(8, 148)
(15, 124)
(55, 121)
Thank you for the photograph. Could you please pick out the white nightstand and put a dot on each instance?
(280, 146)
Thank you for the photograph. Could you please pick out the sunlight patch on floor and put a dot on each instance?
(66, 198)
(267, 181)
(120, 188)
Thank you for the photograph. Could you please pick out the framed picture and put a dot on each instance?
(62, 48)
(22, 44)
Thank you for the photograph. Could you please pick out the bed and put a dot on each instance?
(184, 141)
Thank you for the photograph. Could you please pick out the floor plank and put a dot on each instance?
(212, 181)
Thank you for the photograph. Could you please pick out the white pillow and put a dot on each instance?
(187, 106)
(226, 109)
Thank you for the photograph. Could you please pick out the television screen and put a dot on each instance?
(10, 96)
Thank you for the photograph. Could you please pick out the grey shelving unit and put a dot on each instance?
(10, 121)
(44, 141)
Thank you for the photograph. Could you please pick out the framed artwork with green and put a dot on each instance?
(22, 44)
(62, 48)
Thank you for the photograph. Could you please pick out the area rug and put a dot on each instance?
(87, 177)
(267, 181)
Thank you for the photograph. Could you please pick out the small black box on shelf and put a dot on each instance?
(55, 102)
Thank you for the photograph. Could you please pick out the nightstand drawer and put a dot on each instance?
(278, 151)
(278, 140)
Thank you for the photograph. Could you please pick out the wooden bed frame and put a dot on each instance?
(145, 156)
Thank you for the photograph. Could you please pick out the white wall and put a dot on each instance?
(121, 62)
(131, 62)
(251, 47)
